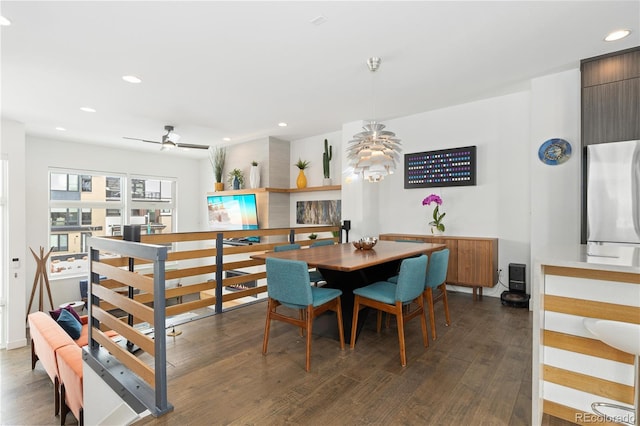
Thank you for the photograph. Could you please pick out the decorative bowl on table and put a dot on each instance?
(365, 243)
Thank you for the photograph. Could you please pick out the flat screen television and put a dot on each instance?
(232, 212)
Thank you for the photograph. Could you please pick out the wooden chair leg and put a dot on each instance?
(400, 321)
(267, 326)
(432, 316)
(301, 318)
(379, 321)
(340, 327)
(309, 325)
(423, 321)
(354, 322)
(445, 302)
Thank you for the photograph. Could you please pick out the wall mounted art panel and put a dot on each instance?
(321, 212)
(445, 167)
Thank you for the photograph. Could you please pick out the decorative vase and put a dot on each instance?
(219, 186)
(254, 177)
(236, 183)
(301, 182)
(435, 231)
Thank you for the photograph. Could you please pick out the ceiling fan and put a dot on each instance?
(170, 140)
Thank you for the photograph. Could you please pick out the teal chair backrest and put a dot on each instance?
(286, 247)
(437, 272)
(411, 278)
(322, 243)
(288, 282)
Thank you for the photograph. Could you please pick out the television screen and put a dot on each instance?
(232, 212)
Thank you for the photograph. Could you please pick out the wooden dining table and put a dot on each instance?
(346, 268)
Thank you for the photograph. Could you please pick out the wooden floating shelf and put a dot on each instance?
(282, 190)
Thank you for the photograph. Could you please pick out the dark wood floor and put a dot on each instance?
(478, 371)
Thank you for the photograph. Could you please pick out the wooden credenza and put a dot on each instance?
(473, 261)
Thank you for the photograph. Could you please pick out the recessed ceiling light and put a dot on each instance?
(4, 21)
(131, 79)
(319, 20)
(617, 35)
(62, 129)
(87, 109)
(282, 124)
(226, 139)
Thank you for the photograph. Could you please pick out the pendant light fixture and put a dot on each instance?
(374, 152)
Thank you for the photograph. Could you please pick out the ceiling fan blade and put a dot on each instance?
(192, 146)
(142, 140)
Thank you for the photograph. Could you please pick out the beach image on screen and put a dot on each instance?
(232, 212)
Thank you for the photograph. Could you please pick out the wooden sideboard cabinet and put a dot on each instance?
(473, 261)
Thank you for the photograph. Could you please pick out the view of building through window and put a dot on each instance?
(84, 204)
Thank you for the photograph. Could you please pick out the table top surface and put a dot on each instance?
(345, 257)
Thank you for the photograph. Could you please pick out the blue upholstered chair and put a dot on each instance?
(436, 278)
(315, 276)
(286, 247)
(288, 284)
(322, 243)
(390, 298)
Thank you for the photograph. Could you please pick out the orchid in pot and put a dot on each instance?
(436, 224)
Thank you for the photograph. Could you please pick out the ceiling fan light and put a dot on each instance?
(167, 145)
(173, 137)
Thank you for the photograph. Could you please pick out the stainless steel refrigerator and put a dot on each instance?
(613, 193)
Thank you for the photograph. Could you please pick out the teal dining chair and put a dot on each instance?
(391, 298)
(288, 284)
(315, 276)
(437, 278)
(286, 247)
(322, 243)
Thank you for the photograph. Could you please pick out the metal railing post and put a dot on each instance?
(219, 267)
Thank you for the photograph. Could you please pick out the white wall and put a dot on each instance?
(12, 147)
(311, 149)
(498, 206)
(555, 190)
(44, 153)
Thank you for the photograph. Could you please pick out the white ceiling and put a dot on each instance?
(235, 69)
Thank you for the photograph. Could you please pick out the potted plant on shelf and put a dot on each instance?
(327, 155)
(301, 182)
(236, 179)
(254, 175)
(217, 157)
(313, 236)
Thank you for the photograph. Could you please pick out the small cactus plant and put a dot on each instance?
(326, 157)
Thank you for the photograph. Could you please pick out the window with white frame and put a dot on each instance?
(84, 204)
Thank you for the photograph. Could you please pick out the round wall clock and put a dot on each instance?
(554, 152)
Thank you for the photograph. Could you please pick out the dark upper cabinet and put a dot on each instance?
(611, 97)
(609, 68)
